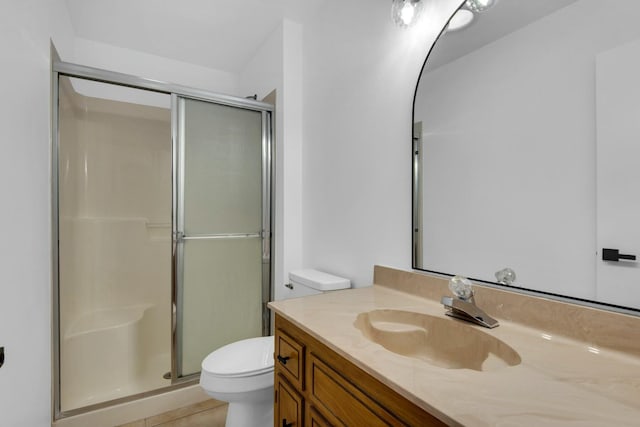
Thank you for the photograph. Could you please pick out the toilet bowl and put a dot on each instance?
(241, 373)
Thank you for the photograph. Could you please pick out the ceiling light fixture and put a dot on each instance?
(406, 12)
(479, 6)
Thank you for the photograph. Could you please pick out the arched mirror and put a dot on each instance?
(527, 150)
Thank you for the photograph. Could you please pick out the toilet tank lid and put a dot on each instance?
(319, 280)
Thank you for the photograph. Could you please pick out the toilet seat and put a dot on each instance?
(246, 358)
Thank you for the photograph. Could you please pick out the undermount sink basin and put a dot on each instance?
(446, 343)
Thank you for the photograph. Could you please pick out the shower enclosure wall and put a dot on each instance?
(162, 230)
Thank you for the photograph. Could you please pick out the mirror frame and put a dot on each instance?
(416, 207)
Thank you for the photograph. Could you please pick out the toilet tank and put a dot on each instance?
(311, 282)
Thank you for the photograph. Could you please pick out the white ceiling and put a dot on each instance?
(505, 17)
(225, 34)
(218, 34)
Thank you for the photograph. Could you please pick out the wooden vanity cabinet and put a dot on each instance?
(316, 387)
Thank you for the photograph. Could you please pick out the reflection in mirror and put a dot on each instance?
(526, 130)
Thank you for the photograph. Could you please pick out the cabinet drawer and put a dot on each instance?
(290, 359)
(288, 406)
(343, 400)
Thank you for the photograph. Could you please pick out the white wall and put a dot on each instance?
(113, 58)
(290, 166)
(26, 27)
(278, 65)
(360, 73)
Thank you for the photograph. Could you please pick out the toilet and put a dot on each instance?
(241, 373)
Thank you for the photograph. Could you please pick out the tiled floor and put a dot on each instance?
(209, 413)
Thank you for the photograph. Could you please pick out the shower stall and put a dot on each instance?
(162, 232)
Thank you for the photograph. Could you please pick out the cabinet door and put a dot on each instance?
(288, 405)
(314, 419)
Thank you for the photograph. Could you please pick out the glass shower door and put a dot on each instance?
(218, 229)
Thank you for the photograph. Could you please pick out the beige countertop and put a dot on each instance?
(560, 381)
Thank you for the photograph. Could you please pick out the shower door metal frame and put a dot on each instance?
(65, 69)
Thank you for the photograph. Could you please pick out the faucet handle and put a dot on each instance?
(461, 287)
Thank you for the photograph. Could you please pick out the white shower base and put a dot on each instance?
(112, 353)
(137, 409)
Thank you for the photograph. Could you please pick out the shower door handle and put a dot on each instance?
(178, 237)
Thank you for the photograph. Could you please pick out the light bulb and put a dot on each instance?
(405, 12)
(479, 5)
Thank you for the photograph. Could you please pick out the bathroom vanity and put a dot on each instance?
(315, 386)
(372, 356)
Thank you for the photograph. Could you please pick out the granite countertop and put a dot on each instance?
(560, 380)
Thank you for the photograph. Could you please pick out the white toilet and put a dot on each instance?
(241, 373)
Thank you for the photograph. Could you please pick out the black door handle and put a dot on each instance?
(615, 255)
(286, 424)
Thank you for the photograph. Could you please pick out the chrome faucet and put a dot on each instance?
(463, 306)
